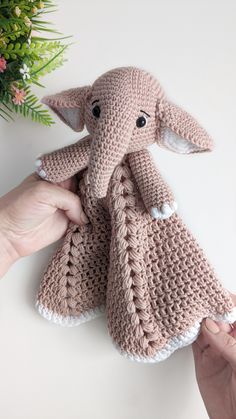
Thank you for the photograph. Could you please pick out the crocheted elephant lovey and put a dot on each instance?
(135, 258)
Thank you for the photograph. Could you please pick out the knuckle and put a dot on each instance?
(71, 197)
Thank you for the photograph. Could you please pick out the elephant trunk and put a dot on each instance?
(109, 145)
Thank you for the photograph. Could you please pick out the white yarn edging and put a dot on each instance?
(69, 321)
(180, 341)
(175, 343)
(177, 143)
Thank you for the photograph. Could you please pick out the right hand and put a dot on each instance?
(215, 363)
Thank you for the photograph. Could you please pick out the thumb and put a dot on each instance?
(221, 341)
(68, 202)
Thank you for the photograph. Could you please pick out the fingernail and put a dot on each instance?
(212, 326)
(84, 218)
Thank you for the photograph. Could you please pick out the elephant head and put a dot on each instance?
(125, 110)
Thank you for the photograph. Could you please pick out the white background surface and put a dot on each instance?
(51, 372)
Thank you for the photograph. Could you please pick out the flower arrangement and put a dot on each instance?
(25, 56)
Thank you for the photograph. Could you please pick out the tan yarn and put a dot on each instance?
(160, 283)
(75, 282)
(136, 257)
(153, 189)
(63, 164)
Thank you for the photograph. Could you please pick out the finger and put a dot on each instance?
(68, 202)
(225, 327)
(59, 197)
(69, 184)
(202, 340)
(220, 341)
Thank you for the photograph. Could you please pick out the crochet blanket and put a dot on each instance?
(135, 258)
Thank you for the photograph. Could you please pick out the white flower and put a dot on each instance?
(25, 72)
(29, 41)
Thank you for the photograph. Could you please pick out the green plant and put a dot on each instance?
(25, 56)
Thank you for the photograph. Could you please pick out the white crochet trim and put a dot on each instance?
(175, 343)
(165, 212)
(39, 170)
(180, 341)
(38, 163)
(69, 321)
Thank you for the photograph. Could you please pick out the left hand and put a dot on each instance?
(35, 214)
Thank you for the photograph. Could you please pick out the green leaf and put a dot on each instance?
(42, 55)
(6, 114)
(39, 38)
(50, 61)
(37, 83)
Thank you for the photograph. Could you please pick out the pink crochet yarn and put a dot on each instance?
(136, 259)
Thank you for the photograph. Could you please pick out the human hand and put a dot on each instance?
(35, 214)
(215, 364)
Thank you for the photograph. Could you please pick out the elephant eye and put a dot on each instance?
(141, 121)
(96, 111)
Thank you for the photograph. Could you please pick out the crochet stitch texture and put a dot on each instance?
(136, 259)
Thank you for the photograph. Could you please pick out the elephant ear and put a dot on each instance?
(180, 132)
(69, 106)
